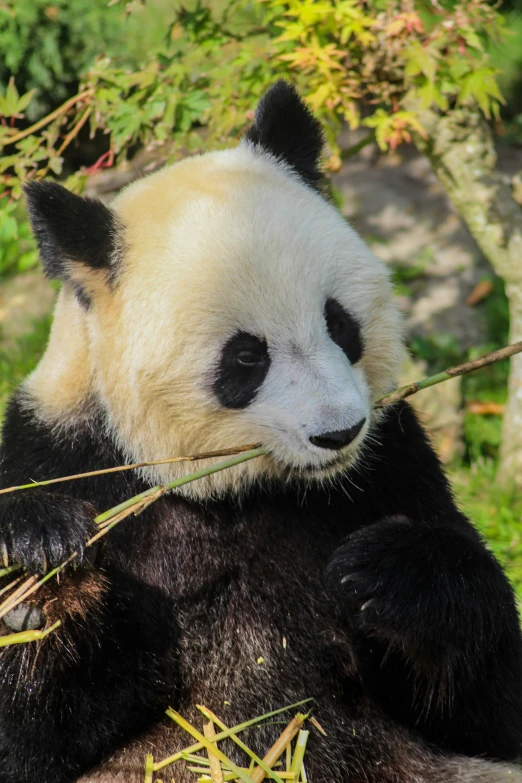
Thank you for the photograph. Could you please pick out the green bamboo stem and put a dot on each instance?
(149, 767)
(134, 504)
(300, 748)
(9, 570)
(452, 372)
(134, 466)
(161, 488)
(108, 519)
(27, 636)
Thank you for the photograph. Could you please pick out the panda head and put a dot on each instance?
(217, 302)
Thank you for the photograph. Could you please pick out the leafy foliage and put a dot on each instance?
(47, 44)
(495, 511)
(365, 64)
(17, 248)
(392, 55)
(17, 360)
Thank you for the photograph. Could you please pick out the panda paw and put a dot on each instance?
(40, 531)
(414, 585)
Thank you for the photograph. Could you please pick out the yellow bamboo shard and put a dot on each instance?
(317, 725)
(279, 747)
(149, 768)
(256, 760)
(180, 720)
(18, 595)
(224, 734)
(216, 773)
(300, 747)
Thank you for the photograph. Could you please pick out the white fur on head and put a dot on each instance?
(223, 242)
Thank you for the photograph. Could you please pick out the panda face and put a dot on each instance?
(242, 309)
(245, 311)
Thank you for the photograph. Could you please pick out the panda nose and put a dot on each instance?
(337, 439)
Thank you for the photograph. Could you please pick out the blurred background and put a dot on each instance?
(422, 103)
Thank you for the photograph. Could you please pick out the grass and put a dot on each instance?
(496, 512)
(17, 360)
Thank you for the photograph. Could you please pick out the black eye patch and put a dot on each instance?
(242, 369)
(344, 330)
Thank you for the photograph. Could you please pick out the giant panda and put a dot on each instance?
(217, 302)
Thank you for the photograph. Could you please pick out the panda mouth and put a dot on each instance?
(341, 461)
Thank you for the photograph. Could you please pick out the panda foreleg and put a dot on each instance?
(95, 682)
(40, 530)
(437, 631)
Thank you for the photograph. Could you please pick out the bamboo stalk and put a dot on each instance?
(300, 748)
(279, 746)
(317, 725)
(216, 773)
(389, 399)
(27, 636)
(230, 776)
(12, 600)
(136, 465)
(451, 372)
(10, 585)
(108, 519)
(114, 515)
(9, 570)
(210, 715)
(225, 734)
(229, 463)
(149, 768)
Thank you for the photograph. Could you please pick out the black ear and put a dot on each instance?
(285, 127)
(70, 229)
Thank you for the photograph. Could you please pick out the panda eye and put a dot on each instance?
(344, 330)
(250, 358)
(242, 368)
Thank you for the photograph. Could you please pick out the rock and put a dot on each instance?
(24, 618)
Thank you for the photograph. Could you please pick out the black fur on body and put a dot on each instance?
(373, 595)
(185, 598)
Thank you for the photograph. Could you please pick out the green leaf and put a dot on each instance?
(11, 99)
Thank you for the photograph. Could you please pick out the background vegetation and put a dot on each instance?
(87, 84)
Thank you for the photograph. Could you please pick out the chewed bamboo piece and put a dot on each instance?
(228, 733)
(279, 747)
(23, 637)
(210, 746)
(218, 768)
(260, 762)
(216, 773)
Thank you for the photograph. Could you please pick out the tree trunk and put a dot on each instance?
(462, 154)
